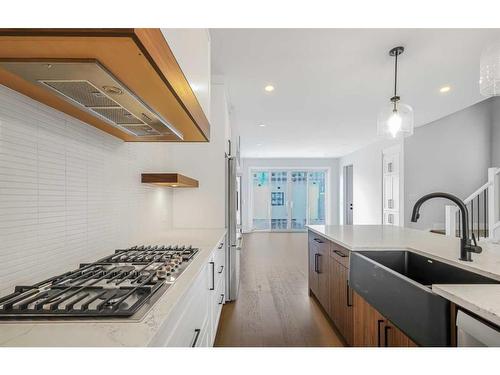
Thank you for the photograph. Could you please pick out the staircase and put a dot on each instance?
(483, 208)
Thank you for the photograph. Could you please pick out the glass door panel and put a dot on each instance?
(316, 197)
(287, 199)
(279, 200)
(298, 199)
(260, 209)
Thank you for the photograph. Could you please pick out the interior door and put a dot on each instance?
(298, 199)
(279, 200)
(348, 195)
(316, 197)
(260, 201)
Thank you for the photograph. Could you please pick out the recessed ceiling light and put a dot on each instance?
(259, 144)
(262, 125)
(444, 89)
(269, 88)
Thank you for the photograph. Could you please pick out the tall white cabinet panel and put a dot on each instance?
(191, 48)
(392, 186)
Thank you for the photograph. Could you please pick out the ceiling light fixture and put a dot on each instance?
(489, 71)
(396, 119)
(262, 125)
(444, 89)
(269, 88)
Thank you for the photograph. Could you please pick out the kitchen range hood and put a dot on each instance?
(88, 85)
(125, 82)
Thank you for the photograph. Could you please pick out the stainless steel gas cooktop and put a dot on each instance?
(115, 286)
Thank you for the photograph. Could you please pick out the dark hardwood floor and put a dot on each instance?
(273, 307)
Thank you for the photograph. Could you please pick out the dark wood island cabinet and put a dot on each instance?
(359, 323)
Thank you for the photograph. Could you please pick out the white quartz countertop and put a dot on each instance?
(481, 299)
(118, 332)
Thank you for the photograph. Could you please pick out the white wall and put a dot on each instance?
(367, 182)
(451, 155)
(69, 193)
(331, 164)
(203, 207)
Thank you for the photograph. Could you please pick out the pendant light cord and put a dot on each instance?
(395, 81)
(395, 74)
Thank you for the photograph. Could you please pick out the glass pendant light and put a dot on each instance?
(489, 71)
(396, 119)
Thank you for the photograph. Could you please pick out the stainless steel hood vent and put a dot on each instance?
(91, 87)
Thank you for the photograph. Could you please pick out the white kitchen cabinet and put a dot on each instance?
(391, 192)
(191, 48)
(195, 318)
(391, 218)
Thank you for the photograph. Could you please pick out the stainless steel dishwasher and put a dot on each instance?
(473, 331)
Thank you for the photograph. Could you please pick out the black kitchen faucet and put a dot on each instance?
(466, 247)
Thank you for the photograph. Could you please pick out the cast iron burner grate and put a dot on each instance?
(115, 286)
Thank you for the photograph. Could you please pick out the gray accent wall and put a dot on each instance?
(452, 155)
(495, 132)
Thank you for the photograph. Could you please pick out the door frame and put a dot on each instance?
(251, 170)
(396, 149)
(344, 191)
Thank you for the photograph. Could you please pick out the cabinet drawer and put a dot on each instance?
(217, 301)
(340, 254)
(319, 242)
(187, 327)
(216, 268)
(220, 263)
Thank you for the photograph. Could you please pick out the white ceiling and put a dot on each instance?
(331, 83)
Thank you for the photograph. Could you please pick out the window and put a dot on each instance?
(288, 199)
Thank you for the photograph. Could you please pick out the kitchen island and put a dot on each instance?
(165, 323)
(482, 300)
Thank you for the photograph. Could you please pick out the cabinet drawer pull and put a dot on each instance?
(349, 303)
(221, 269)
(221, 299)
(379, 322)
(318, 240)
(340, 253)
(196, 335)
(220, 245)
(213, 275)
(318, 263)
(386, 335)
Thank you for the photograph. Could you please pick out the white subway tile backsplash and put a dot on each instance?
(69, 193)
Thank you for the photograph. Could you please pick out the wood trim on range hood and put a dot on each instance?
(139, 58)
(169, 179)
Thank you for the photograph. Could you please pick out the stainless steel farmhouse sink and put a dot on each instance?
(398, 284)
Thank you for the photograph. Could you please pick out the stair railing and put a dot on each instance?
(483, 208)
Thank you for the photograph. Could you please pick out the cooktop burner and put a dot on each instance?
(115, 286)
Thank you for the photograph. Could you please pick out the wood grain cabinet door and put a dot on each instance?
(341, 311)
(323, 294)
(394, 337)
(372, 329)
(368, 323)
(313, 275)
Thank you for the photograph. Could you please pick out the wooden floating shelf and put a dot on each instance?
(174, 180)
